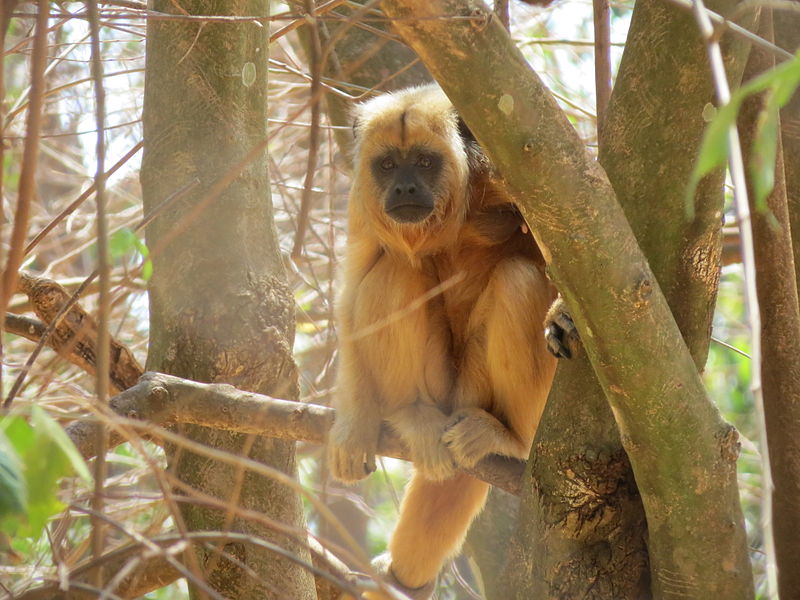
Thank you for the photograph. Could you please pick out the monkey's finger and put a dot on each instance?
(369, 463)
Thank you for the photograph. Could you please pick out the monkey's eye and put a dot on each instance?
(424, 161)
(387, 164)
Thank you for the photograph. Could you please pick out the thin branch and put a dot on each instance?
(80, 199)
(158, 569)
(602, 57)
(104, 301)
(724, 24)
(315, 66)
(74, 343)
(30, 157)
(165, 400)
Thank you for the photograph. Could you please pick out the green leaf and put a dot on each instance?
(713, 149)
(46, 455)
(13, 491)
(60, 439)
(147, 265)
(122, 242)
(781, 81)
(762, 164)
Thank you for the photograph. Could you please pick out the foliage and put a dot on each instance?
(36, 454)
(779, 85)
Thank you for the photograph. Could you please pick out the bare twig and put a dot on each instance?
(30, 156)
(74, 338)
(104, 301)
(80, 199)
(602, 57)
(725, 24)
(315, 64)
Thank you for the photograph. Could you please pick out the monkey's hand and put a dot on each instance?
(473, 434)
(351, 450)
(559, 330)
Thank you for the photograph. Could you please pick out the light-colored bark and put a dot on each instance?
(682, 452)
(220, 307)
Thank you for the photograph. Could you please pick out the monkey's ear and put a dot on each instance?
(464, 132)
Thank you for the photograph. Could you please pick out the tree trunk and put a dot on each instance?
(780, 335)
(682, 453)
(220, 307)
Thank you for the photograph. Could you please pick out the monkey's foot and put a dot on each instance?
(383, 565)
(559, 330)
(434, 460)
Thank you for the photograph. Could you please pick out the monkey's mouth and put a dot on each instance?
(409, 213)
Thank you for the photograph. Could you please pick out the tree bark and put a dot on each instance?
(780, 334)
(696, 531)
(787, 36)
(220, 307)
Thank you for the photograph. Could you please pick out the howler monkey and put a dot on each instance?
(440, 320)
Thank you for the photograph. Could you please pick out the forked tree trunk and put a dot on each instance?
(220, 307)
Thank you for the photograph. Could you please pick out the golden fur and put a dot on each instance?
(440, 327)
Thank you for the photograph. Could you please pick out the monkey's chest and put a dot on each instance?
(401, 334)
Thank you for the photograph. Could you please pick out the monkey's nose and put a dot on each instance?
(399, 190)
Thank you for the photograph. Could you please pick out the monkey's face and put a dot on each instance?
(411, 172)
(409, 180)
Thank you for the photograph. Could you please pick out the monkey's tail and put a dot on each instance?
(434, 519)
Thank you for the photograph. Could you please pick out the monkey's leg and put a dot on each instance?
(421, 426)
(434, 519)
(353, 439)
(506, 372)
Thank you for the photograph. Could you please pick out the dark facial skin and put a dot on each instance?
(408, 179)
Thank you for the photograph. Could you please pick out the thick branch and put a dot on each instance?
(166, 400)
(682, 452)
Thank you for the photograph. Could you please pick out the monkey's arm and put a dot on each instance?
(353, 439)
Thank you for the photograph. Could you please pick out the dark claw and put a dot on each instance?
(559, 331)
(555, 344)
